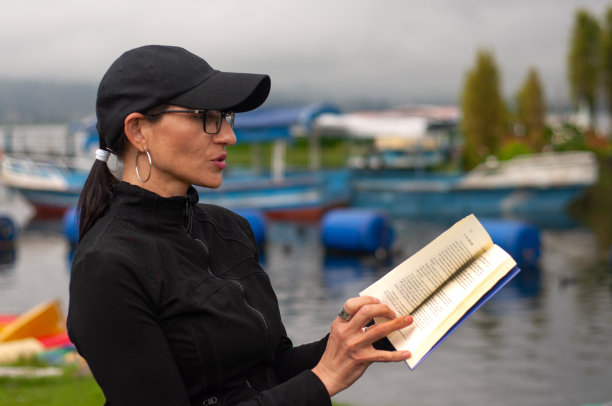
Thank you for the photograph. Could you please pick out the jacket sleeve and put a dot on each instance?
(113, 325)
(291, 361)
(305, 389)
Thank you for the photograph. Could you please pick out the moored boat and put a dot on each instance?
(525, 187)
(50, 185)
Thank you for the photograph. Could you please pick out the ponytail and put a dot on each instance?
(95, 196)
(98, 188)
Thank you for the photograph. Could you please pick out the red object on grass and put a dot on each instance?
(56, 341)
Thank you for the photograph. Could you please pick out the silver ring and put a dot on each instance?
(344, 315)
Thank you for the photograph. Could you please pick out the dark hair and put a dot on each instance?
(96, 194)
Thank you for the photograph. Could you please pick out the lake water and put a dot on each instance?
(545, 339)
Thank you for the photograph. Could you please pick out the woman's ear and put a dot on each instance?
(133, 128)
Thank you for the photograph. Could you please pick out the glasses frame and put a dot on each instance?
(224, 117)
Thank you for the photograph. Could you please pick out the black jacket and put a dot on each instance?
(169, 306)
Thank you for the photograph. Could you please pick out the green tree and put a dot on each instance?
(606, 58)
(583, 60)
(483, 110)
(531, 111)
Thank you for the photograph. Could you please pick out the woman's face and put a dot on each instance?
(183, 154)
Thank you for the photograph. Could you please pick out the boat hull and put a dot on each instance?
(49, 203)
(536, 186)
(443, 199)
(300, 197)
(489, 202)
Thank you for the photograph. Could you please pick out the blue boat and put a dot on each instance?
(529, 186)
(49, 184)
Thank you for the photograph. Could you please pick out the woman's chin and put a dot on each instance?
(212, 184)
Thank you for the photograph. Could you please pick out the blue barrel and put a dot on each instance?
(70, 226)
(8, 234)
(356, 230)
(520, 240)
(257, 220)
(8, 231)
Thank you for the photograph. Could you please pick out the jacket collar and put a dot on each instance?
(157, 211)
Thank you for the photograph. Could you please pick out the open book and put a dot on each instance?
(441, 285)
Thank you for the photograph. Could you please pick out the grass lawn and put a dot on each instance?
(73, 387)
(333, 154)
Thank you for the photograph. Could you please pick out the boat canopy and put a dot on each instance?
(381, 124)
(260, 125)
(274, 123)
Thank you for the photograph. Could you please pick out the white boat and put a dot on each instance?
(532, 187)
(545, 170)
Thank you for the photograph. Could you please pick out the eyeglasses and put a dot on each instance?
(212, 120)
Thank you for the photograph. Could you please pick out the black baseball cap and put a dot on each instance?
(152, 75)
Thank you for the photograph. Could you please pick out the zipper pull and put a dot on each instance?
(189, 214)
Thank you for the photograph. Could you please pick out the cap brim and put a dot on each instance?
(227, 91)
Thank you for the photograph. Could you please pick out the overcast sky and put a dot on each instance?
(404, 51)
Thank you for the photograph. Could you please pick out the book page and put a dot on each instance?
(406, 286)
(447, 305)
(488, 267)
(430, 313)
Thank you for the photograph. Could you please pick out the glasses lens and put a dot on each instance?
(212, 122)
(229, 117)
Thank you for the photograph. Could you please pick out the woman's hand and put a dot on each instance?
(349, 349)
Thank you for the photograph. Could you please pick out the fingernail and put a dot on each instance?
(406, 354)
(408, 319)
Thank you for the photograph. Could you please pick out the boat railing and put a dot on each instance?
(29, 165)
(50, 163)
(553, 168)
(544, 160)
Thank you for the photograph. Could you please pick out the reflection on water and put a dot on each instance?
(543, 340)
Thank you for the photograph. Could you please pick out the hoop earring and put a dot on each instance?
(150, 167)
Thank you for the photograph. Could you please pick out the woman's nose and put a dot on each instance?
(226, 135)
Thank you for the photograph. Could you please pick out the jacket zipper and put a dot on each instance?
(259, 314)
(189, 214)
(202, 244)
(255, 311)
(189, 225)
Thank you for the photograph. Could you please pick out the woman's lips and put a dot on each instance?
(220, 161)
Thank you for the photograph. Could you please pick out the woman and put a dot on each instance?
(168, 302)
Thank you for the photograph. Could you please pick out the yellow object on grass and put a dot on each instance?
(43, 320)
